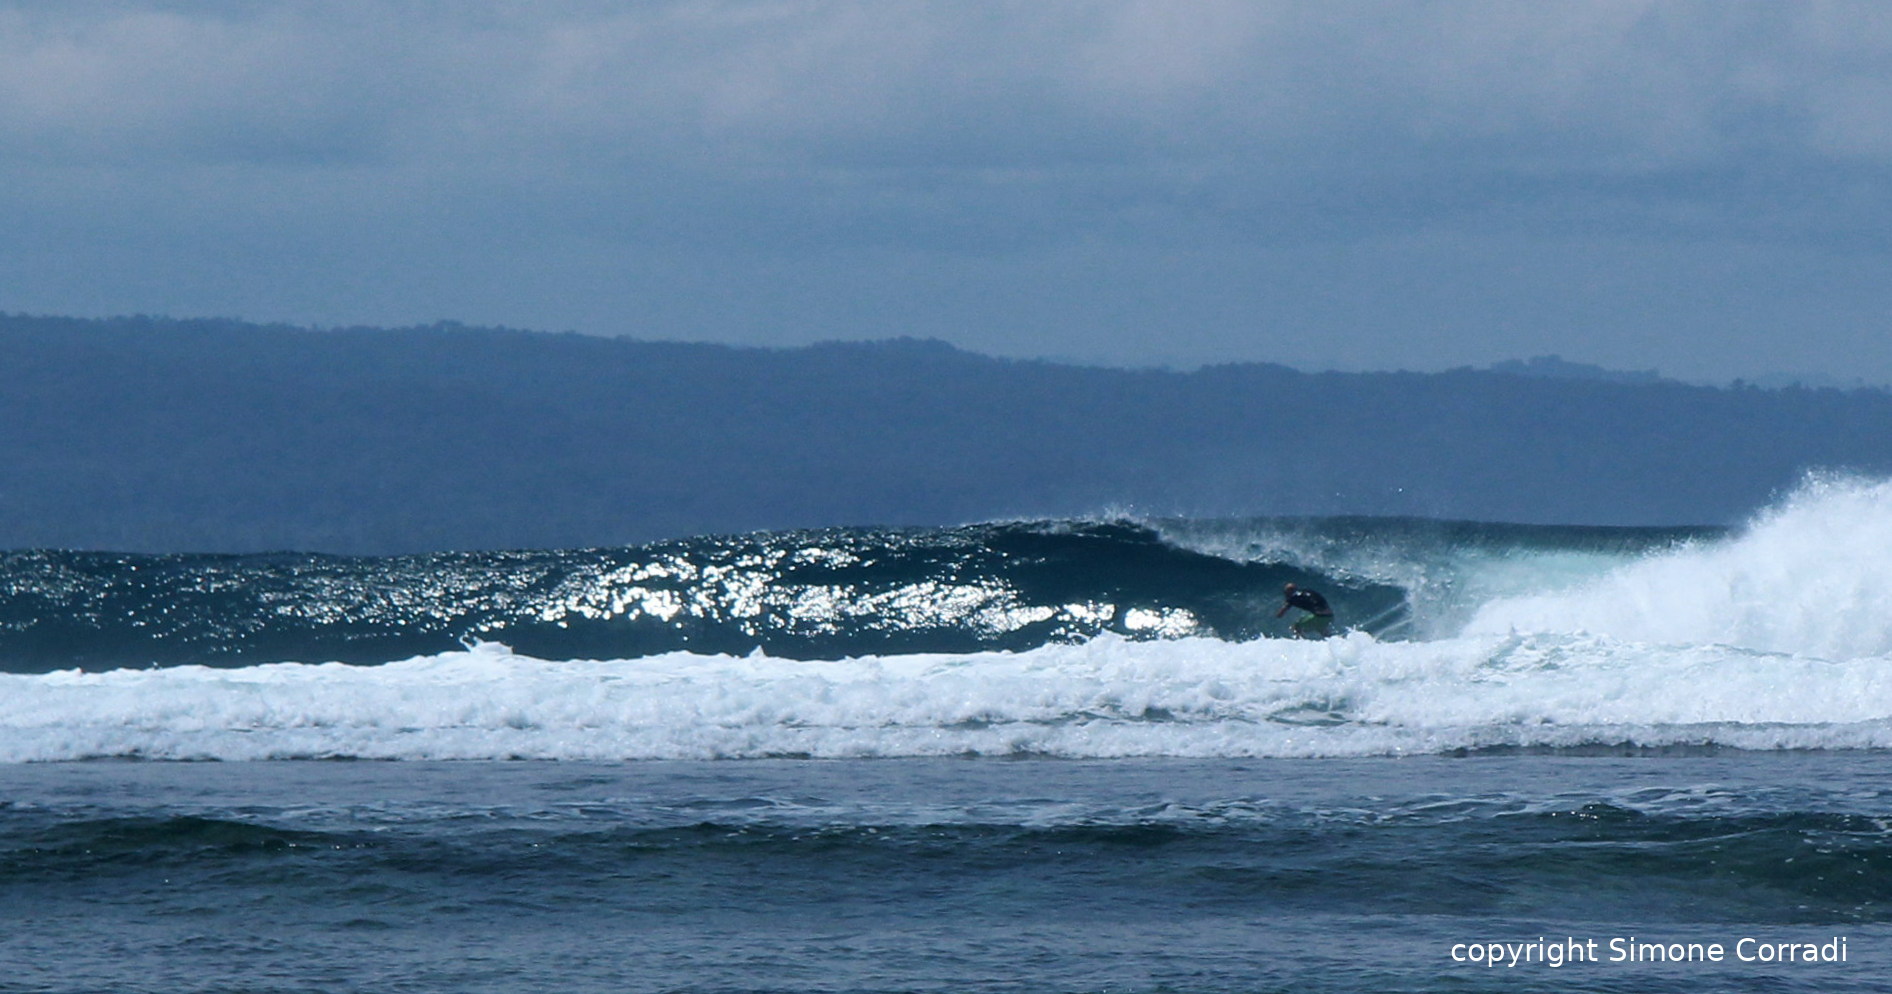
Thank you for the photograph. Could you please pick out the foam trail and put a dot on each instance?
(1110, 697)
(1811, 577)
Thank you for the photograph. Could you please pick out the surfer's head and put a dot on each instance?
(1288, 589)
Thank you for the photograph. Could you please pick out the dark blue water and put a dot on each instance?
(821, 594)
(939, 875)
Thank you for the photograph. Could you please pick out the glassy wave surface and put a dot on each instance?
(1077, 639)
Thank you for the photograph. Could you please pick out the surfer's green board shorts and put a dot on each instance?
(1313, 626)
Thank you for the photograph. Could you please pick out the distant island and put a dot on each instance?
(153, 434)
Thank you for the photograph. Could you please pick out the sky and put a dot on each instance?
(1701, 188)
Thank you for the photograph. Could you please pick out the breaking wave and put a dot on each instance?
(1069, 639)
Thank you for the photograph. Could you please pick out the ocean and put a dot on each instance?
(1014, 756)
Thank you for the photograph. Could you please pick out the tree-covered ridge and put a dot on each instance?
(155, 434)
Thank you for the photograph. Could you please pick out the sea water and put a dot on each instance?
(1042, 756)
(942, 874)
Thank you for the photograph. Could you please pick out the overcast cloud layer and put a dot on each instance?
(1696, 187)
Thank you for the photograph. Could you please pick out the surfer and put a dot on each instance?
(1318, 623)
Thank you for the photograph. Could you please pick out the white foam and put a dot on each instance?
(1811, 577)
(1106, 698)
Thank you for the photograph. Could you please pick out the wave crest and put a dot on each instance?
(1812, 576)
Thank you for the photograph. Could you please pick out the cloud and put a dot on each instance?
(115, 86)
(591, 142)
(788, 85)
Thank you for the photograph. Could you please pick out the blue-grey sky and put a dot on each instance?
(1697, 187)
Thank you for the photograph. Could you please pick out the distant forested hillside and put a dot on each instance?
(148, 434)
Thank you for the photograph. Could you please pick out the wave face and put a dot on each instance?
(801, 595)
(1073, 639)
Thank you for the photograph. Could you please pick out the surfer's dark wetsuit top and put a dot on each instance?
(1311, 602)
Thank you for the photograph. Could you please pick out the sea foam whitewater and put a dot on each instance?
(1108, 697)
(1810, 578)
(1773, 637)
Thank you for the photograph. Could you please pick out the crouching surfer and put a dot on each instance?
(1318, 622)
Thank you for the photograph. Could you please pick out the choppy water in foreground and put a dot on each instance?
(941, 875)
